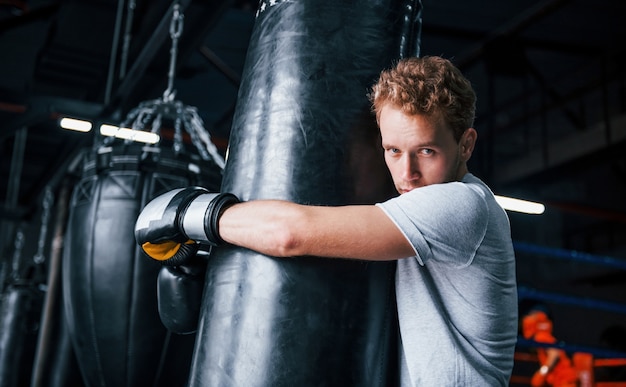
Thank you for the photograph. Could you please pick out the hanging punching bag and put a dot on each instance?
(109, 285)
(20, 304)
(14, 305)
(303, 321)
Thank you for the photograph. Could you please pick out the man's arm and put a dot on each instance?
(285, 229)
(540, 376)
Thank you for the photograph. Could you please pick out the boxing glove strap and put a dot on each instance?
(212, 216)
(182, 201)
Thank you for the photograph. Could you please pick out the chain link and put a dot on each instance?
(176, 30)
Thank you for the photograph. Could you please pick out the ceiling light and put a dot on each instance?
(75, 124)
(519, 205)
(129, 134)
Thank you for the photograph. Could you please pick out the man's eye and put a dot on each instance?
(427, 151)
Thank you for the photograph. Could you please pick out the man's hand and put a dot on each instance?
(169, 227)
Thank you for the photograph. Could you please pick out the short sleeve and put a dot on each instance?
(445, 222)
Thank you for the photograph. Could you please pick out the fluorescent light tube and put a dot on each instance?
(520, 205)
(75, 124)
(129, 134)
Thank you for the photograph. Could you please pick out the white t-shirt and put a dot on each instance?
(457, 298)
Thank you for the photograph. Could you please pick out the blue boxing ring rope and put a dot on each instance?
(570, 255)
(576, 256)
(525, 293)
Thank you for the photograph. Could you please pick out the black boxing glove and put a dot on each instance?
(179, 295)
(170, 227)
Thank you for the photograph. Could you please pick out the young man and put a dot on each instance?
(455, 279)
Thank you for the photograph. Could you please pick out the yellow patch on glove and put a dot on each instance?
(163, 251)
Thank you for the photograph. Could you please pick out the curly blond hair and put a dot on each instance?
(429, 85)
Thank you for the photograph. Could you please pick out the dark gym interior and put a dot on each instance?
(550, 77)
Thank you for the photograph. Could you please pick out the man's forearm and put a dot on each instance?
(266, 226)
(285, 229)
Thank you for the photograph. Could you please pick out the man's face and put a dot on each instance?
(421, 150)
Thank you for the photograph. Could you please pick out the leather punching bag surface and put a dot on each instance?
(110, 287)
(302, 321)
(13, 319)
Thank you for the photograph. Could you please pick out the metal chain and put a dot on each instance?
(176, 30)
(151, 113)
(43, 231)
(17, 253)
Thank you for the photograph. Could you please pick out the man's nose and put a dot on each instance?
(410, 168)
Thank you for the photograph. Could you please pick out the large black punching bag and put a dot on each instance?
(14, 308)
(301, 106)
(109, 285)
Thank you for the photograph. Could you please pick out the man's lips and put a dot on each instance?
(408, 189)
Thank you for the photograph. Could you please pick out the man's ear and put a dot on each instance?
(468, 141)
